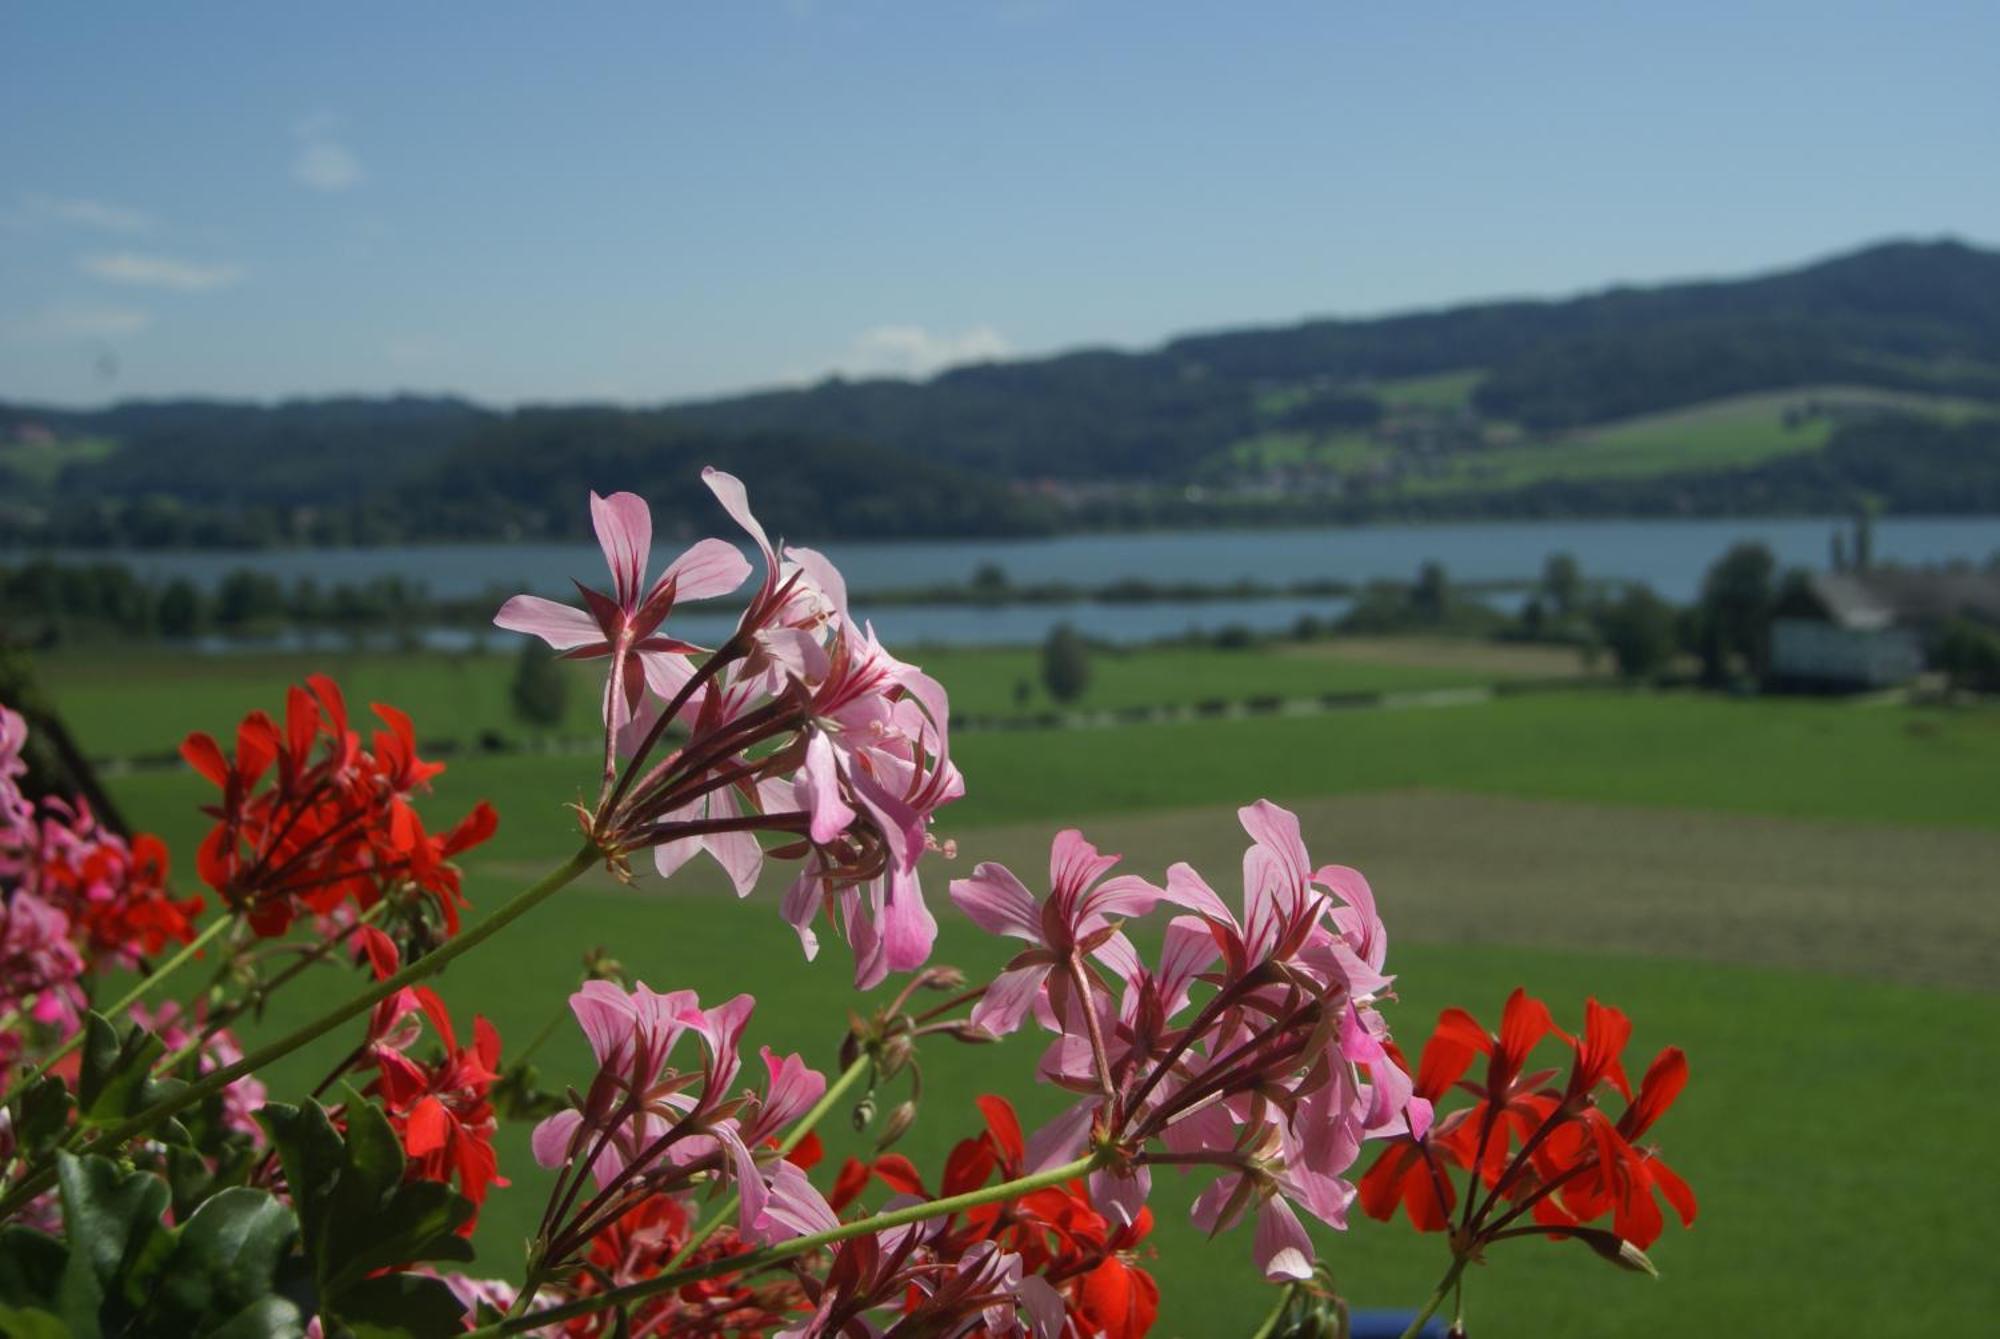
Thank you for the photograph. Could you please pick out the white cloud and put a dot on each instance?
(69, 212)
(323, 162)
(60, 323)
(914, 351)
(184, 276)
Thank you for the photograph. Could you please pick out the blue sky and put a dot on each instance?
(531, 202)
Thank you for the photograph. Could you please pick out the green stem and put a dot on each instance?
(751, 1261)
(791, 1141)
(1444, 1288)
(428, 965)
(1270, 1325)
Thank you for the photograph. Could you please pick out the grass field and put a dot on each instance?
(1801, 894)
(1437, 391)
(121, 705)
(1794, 1130)
(1727, 433)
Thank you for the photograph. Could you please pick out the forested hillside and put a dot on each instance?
(1813, 388)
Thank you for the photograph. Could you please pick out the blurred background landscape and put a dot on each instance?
(1557, 453)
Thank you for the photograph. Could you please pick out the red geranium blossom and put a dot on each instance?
(309, 819)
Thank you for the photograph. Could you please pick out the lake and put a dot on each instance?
(1668, 555)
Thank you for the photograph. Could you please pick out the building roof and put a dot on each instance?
(1885, 596)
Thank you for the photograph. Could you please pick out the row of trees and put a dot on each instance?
(46, 602)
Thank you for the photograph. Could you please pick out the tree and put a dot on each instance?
(1431, 596)
(1735, 611)
(1969, 654)
(248, 599)
(1639, 628)
(1065, 663)
(1562, 582)
(180, 609)
(539, 689)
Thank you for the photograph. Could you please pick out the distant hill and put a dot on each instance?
(1632, 400)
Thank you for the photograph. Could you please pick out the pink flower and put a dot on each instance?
(1076, 919)
(1279, 1075)
(626, 624)
(648, 1127)
(15, 811)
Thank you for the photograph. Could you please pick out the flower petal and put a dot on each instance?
(561, 626)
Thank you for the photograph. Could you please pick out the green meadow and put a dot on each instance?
(1764, 883)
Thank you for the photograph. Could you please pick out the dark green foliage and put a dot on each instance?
(116, 1077)
(1431, 596)
(1640, 630)
(357, 1215)
(180, 609)
(1065, 663)
(1562, 582)
(539, 688)
(1734, 613)
(1969, 653)
(228, 1269)
(249, 599)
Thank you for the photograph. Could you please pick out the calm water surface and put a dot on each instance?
(1668, 555)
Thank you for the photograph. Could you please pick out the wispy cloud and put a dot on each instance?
(66, 211)
(182, 276)
(61, 323)
(915, 351)
(324, 162)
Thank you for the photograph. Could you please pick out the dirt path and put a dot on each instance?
(1907, 905)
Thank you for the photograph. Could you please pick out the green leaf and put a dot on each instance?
(311, 1152)
(115, 1079)
(44, 1116)
(31, 1268)
(357, 1214)
(117, 1242)
(227, 1258)
(267, 1318)
(400, 1306)
(31, 1323)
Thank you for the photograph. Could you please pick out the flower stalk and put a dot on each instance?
(764, 1258)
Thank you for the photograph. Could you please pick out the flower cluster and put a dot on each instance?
(1546, 1151)
(76, 895)
(441, 1109)
(1275, 1077)
(1049, 1243)
(645, 1127)
(310, 822)
(800, 725)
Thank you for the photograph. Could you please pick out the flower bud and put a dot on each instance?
(599, 965)
(901, 1117)
(864, 1112)
(944, 978)
(894, 1056)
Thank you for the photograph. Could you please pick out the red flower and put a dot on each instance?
(1057, 1232)
(1537, 1150)
(638, 1244)
(1602, 1170)
(440, 1110)
(310, 820)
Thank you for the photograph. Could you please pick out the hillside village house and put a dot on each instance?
(1852, 631)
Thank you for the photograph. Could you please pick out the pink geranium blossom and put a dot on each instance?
(645, 1127)
(1253, 1047)
(625, 625)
